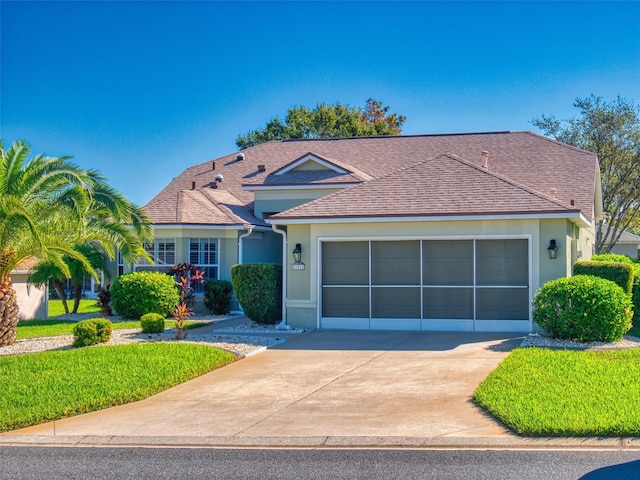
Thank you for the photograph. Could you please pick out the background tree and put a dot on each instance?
(46, 271)
(327, 121)
(612, 131)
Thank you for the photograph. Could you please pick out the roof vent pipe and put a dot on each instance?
(553, 192)
(193, 185)
(485, 159)
(213, 165)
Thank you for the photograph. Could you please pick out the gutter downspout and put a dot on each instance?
(283, 324)
(249, 229)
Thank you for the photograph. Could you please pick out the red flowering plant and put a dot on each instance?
(186, 276)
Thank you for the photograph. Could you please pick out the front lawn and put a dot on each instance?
(543, 392)
(53, 327)
(47, 386)
(86, 306)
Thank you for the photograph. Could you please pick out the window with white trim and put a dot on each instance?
(203, 253)
(163, 252)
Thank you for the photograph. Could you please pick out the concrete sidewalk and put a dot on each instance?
(322, 389)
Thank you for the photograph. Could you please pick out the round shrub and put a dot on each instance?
(258, 287)
(583, 308)
(92, 332)
(217, 296)
(152, 323)
(135, 294)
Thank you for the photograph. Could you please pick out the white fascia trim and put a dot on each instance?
(577, 218)
(306, 186)
(315, 159)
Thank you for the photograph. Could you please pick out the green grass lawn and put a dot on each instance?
(47, 386)
(544, 392)
(86, 306)
(53, 327)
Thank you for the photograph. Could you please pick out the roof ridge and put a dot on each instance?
(364, 137)
(505, 179)
(558, 142)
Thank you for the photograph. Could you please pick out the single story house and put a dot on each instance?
(32, 300)
(628, 244)
(415, 232)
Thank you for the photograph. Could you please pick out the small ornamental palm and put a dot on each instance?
(180, 314)
(185, 275)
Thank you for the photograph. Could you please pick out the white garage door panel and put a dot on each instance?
(395, 324)
(336, 323)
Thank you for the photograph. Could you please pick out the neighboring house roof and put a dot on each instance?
(535, 173)
(626, 238)
(27, 264)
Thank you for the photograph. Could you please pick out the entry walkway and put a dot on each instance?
(324, 388)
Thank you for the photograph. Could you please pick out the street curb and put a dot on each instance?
(337, 442)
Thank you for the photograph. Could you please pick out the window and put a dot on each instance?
(203, 253)
(120, 264)
(163, 252)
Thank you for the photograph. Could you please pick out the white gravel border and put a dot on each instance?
(241, 340)
(541, 340)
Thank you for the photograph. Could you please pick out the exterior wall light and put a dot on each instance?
(297, 256)
(552, 249)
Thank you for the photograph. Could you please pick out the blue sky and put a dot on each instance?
(141, 90)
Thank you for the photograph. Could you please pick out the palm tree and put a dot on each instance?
(45, 272)
(33, 194)
(48, 207)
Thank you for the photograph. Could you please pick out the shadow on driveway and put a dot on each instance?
(365, 340)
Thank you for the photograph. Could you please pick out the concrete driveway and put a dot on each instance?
(320, 388)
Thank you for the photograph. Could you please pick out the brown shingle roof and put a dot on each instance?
(526, 159)
(443, 186)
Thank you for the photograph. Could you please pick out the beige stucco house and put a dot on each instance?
(32, 300)
(627, 244)
(420, 232)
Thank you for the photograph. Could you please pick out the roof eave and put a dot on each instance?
(575, 216)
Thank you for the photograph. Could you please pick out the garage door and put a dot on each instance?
(471, 285)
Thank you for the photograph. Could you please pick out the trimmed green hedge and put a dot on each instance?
(611, 258)
(136, 294)
(620, 273)
(583, 308)
(217, 296)
(635, 289)
(258, 287)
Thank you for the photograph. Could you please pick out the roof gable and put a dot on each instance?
(310, 162)
(443, 186)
